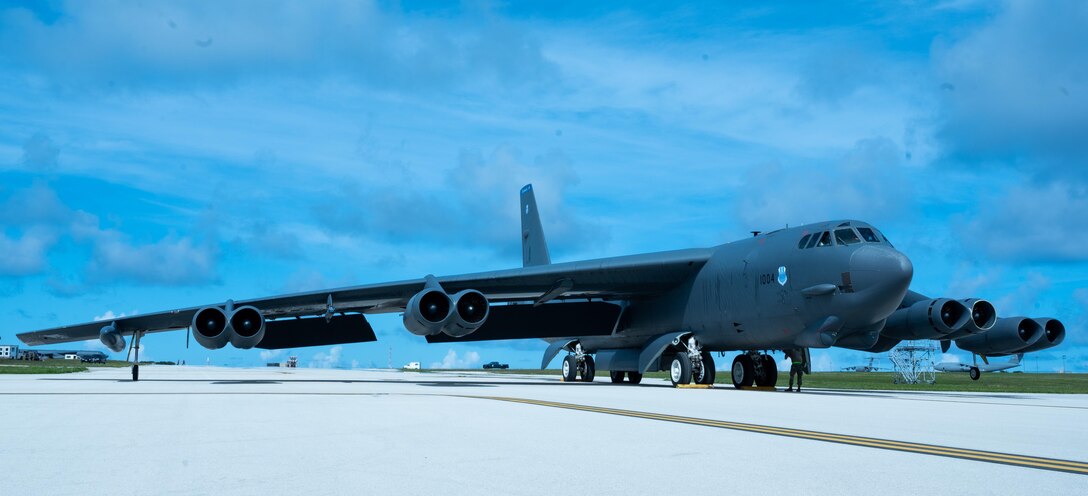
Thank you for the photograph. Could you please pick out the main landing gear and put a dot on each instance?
(755, 368)
(632, 377)
(578, 365)
(691, 364)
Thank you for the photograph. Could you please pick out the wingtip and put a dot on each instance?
(527, 188)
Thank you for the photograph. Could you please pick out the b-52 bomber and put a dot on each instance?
(835, 283)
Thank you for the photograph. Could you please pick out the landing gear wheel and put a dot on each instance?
(770, 372)
(616, 376)
(570, 368)
(743, 371)
(680, 369)
(135, 372)
(589, 369)
(706, 376)
(634, 377)
(974, 373)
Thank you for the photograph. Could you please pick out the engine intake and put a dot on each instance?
(1008, 335)
(1053, 334)
(112, 338)
(472, 311)
(246, 327)
(428, 312)
(211, 328)
(927, 319)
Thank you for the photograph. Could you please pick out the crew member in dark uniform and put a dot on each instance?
(797, 366)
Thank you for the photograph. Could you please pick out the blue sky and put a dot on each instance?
(161, 155)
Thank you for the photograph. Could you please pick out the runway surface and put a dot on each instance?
(201, 430)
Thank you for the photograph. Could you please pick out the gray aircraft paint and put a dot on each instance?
(764, 292)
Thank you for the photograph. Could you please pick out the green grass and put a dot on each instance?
(989, 383)
(53, 366)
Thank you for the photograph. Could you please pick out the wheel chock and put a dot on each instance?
(694, 386)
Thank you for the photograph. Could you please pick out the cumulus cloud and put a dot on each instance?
(453, 361)
(327, 359)
(39, 221)
(1033, 223)
(865, 183)
(1019, 85)
(268, 355)
(477, 205)
(175, 44)
(109, 315)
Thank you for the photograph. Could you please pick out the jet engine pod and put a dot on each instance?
(211, 328)
(1008, 335)
(246, 327)
(112, 338)
(983, 316)
(1053, 334)
(927, 319)
(428, 312)
(472, 310)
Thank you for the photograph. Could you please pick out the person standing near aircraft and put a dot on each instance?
(797, 367)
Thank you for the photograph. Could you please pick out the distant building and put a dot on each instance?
(411, 366)
(29, 354)
(9, 351)
(292, 362)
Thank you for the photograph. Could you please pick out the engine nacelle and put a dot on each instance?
(983, 316)
(112, 338)
(246, 327)
(471, 310)
(927, 319)
(1053, 334)
(428, 312)
(1008, 335)
(211, 328)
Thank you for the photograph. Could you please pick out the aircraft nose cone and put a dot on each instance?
(880, 266)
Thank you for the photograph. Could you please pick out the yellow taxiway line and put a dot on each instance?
(1069, 466)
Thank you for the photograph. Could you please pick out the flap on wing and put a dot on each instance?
(298, 333)
(550, 320)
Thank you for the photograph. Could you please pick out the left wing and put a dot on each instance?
(617, 278)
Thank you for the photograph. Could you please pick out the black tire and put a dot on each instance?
(743, 371)
(570, 369)
(634, 377)
(709, 371)
(590, 370)
(680, 369)
(770, 372)
(616, 376)
(974, 373)
(135, 372)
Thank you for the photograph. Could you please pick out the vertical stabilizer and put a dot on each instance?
(534, 250)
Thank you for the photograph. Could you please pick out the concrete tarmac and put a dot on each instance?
(210, 430)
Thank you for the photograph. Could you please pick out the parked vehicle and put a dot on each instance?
(496, 365)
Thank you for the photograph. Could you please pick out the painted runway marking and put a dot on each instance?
(1068, 466)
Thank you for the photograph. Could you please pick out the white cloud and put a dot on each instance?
(268, 355)
(109, 315)
(453, 361)
(324, 360)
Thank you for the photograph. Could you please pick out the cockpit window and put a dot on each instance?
(846, 236)
(886, 240)
(812, 242)
(804, 241)
(825, 239)
(868, 235)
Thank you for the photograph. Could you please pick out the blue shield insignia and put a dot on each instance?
(782, 277)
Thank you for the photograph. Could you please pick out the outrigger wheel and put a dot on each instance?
(135, 372)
